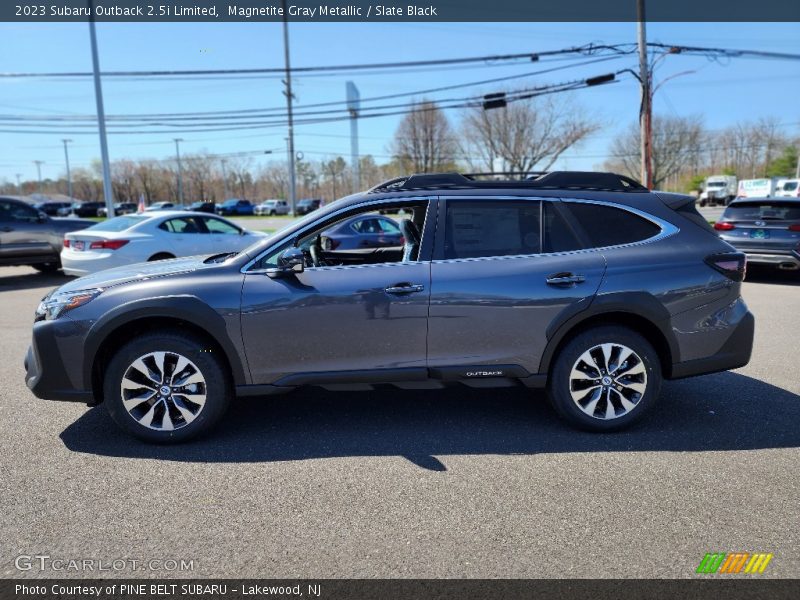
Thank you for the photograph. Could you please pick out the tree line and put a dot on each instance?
(523, 137)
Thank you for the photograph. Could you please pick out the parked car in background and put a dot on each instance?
(788, 188)
(206, 207)
(271, 208)
(151, 236)
(757, 188)
(51, 207)
(307, 205)
(719, 189)
(586, 284)
(120, 208)
(161, 206)
(30, 237)
(767, 230)
(234, 207)
(82, 209)
(365, 231)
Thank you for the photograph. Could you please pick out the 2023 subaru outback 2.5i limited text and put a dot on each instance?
(586, 284)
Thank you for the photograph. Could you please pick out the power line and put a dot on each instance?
(386, 111)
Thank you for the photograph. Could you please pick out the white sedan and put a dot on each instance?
(151, 236)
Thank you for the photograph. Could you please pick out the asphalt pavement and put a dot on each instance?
(452, 483)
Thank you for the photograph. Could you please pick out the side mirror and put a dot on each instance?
(292, 261)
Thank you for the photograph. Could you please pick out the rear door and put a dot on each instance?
(503, 270)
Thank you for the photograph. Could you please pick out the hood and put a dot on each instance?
(137, 272)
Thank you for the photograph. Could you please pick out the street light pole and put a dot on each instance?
(289, 98)
(180, 170)
(225, 178)
(69, 175)
(39, 164)
(101, 117)
(645, 111)
(19, 184)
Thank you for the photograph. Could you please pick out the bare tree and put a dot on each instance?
(424, 140)
(675, 142)
(525, 135)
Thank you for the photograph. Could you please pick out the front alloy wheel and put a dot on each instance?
(167, 386)
(163, 391)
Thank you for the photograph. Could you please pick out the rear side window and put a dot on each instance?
(492, 228)
(608, 226)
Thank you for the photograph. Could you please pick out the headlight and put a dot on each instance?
(57, 303)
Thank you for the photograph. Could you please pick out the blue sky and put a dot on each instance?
(723, 92)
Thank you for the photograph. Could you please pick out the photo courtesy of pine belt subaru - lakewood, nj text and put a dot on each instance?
(586, 284)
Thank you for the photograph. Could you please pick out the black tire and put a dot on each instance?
(272, 213)
(160, 256)
(561, 384)
(50, 267)
(217, 387)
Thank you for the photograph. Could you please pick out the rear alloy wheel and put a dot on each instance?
(166, 387)
(605, 379)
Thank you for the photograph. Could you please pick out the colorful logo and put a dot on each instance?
(734, 562)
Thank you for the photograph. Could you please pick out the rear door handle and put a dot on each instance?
(564, 279)
(406, 288)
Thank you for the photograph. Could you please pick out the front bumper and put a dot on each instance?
(735, 353)
(46, 374)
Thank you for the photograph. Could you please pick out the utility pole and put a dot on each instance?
(225, 178)
(646, 109)
(69, 175)
(39, 164)
(353, 106)
(19, 184)
(101, 116)
(180, 170)
(289, 98)
(797, 168)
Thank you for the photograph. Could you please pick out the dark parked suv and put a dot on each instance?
(585, 284)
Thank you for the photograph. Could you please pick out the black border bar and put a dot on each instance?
(418, 11)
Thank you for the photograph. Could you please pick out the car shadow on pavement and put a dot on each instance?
(726, 411)
(32, 280)
(772, 276)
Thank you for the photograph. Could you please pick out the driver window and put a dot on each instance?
(369, 237)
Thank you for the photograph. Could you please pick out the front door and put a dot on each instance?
(367, 317)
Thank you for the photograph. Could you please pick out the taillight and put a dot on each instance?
(732, 264)
(723, 226)
(794, 227)
(108, 244)
(66, 243)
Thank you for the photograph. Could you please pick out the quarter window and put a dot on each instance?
(492, 228)
(609, 226)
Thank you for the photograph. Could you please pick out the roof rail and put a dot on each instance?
(570, 180)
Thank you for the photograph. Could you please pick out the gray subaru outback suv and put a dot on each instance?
(586, 284)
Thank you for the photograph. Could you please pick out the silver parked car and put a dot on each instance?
(271, 208)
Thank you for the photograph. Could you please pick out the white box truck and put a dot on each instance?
(718, 189)
(758, 188)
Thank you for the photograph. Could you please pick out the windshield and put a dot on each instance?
(763, 210)
(789, 186)
(119, 223)
(716, 184)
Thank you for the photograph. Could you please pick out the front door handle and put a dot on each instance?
(404, 288)
(564, 279)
